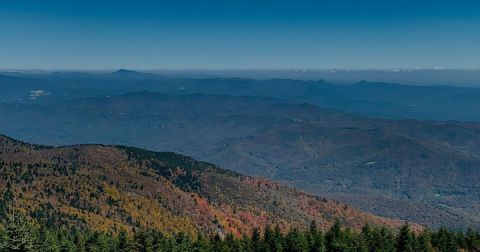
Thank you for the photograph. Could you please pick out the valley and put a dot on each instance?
(421, 171)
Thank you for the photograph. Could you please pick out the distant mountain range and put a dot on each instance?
(425, 172)
(375, 99)
(107, 188)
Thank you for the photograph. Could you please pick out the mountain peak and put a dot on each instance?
(125, 71)
(130, 75)
(362, 82)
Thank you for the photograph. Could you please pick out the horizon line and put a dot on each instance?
(237, 69)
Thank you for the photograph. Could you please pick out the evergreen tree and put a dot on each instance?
(370, 237)
(5, 199)
(445, 241)
(142, 241)
(182, 243)
(279, 238)
(231, 244)
(295, 241)
(48, 240)
(92, 242)
(79, 239)
(219, 245)
(352, 242)
(472, 240)
(105, 243)
(257, 243)
(377, 239)
(66, 242)
(161, 243)
(406, 241)
(273, 239)
(386, 240)
(19, 234)
(316, 239)
(123, 242)
(333, 238)
(202, 244)
(460, 239)
(424, 242)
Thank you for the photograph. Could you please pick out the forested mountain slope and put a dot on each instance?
(112, 188)
(422, 171)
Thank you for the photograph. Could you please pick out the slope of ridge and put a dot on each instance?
(108, 188)
(421, 171)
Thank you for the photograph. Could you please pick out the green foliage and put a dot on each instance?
(123, 243)
(167, 164)
(424, 242)
(295, 241)
(472, 239)
(406, 241)
(19, 234)
(446, 241)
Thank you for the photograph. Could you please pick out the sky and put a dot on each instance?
(246, 34)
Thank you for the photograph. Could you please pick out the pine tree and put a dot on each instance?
(472, 240)
(269, 238)
(202, 244)
(160, 242)
(333, 239)
(92, 242)
(257, 243)
(316, 238)
(48, 240)
(370, 237)
(377, 239)
(105, 243)
(424, 242)
(231, 244)
(256, 240)
(295, 241)
(445, 241)
(219, 245)
(142, 241)
(385, 240)
(79, 239)
(66, 242)
(19, 234)
(460, 239)
(406, 241)
(182, 243)
(273, 239)
(279, 238)
(352, 242)
(123, 243)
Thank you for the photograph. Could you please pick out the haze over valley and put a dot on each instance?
(240, 126)
(352, 143)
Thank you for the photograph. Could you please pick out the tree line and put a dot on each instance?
(19, 234)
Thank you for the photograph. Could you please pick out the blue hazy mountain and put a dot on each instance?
(376, 99)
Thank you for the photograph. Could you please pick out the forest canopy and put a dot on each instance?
(19, 234)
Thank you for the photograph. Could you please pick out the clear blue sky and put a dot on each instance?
(242, 34)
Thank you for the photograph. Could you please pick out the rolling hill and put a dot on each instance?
(377, 99)
(108, 188)
(422, 171)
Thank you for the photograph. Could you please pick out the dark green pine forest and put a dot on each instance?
(20, 234)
